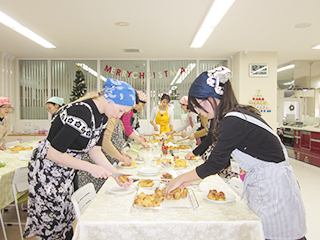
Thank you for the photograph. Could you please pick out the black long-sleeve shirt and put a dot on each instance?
(70, 135)
(236, 133)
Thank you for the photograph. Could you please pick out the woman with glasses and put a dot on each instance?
(270, 187)
(77, 128)
(5, 108)
(190, 120)
(53, 104)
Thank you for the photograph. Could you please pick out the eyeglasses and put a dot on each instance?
(49, 108)
(196, 108)
(6, 106)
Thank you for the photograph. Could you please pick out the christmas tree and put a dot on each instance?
(79, 86)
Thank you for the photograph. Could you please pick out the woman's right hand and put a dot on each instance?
(189, 155)
(169, 133)
(126, 160)
(99, 172)
(155, 127)
(126, 184)
(191, 137)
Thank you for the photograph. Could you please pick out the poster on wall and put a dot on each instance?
(258, 70)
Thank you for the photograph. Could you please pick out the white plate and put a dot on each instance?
(149, 175)
(149, 170)
(156, 185)
(116, 189)
(126, 167)
(196, 159)
(138, 161)
(229, 198)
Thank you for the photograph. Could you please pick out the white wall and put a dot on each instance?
(7, 84)
(245, 87)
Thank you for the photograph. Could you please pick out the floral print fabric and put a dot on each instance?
(50, 212)
(118, 142)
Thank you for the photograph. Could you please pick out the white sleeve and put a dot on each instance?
(184, 125)
(154, 113)
(195, 123)
(171, 115)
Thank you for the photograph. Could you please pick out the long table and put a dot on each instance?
(112, 216)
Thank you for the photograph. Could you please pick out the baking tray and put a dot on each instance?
(190, 202)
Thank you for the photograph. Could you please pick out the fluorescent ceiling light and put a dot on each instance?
(14, 25)
(316, 47)
(217, 11)
(90, 70)
(189, 69)
(176, 77)
(285, 68)
(180, 77)
(289, 83)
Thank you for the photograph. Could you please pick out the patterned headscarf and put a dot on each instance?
(56, 100)
(142, 96)
(119, 92)
(207, 84)
(4, 101)
(184, 100)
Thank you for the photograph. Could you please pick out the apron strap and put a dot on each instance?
(260, 124)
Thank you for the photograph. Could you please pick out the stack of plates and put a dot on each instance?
(149, 171)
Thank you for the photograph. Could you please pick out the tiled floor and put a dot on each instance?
(309, 180)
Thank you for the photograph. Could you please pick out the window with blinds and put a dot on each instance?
(33, 89)
(63, 74)
(173, 77)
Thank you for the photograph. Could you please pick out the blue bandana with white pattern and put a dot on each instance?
(210, 83)
(119, 92)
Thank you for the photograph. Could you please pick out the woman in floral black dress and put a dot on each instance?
(75, 129)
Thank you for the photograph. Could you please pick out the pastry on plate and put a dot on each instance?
(146, 183)
(133, 164)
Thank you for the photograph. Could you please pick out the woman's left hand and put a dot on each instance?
(176, 183)
(145, 145)
(144, 138)
(126, 155)
(126, 184)
(173, 184)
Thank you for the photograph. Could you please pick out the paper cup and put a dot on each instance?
(157, 132)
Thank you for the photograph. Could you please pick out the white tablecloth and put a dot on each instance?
(6, 174)
(112, 216)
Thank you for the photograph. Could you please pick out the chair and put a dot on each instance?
(20, 184)
(237, 185)
(82, 198)
(2, 225)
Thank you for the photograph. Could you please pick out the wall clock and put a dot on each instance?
(258, 70)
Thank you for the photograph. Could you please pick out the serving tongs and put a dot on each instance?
(114, 175)
(182, 139)
(156, 137)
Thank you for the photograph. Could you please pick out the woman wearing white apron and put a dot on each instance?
(270, 186)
